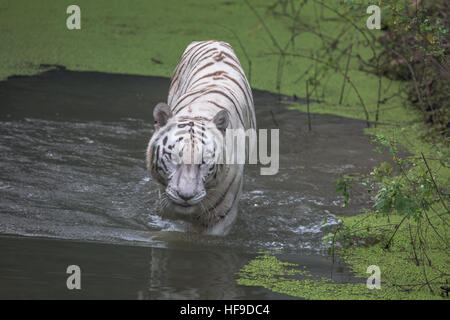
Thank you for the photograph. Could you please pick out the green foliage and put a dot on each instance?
(343, 186)
(404, 187)
(417, 41)
(408, 193)
(423, 22)
(410, 216)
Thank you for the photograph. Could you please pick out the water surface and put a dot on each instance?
(74, 190)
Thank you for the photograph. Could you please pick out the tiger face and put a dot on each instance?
(185, 154)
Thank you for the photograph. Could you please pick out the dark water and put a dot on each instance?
(74, 190)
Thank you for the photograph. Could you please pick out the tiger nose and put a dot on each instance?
(185, 196)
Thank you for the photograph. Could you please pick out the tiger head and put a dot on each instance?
(185, 156)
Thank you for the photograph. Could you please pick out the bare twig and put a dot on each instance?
(345, 76)
(357, 27)
(434, 182)
(413, 245)
(413, 75)
(388, 244)
(336, 68)
(261, 20)
(307, 105)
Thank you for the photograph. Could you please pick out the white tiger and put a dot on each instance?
(208, 94)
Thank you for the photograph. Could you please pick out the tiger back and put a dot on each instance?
(209, 78)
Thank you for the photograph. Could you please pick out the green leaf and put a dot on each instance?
(383, 205)
(405, 206)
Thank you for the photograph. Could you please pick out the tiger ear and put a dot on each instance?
(161, 114)
(221, 120)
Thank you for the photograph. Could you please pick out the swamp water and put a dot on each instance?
(74, 190)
